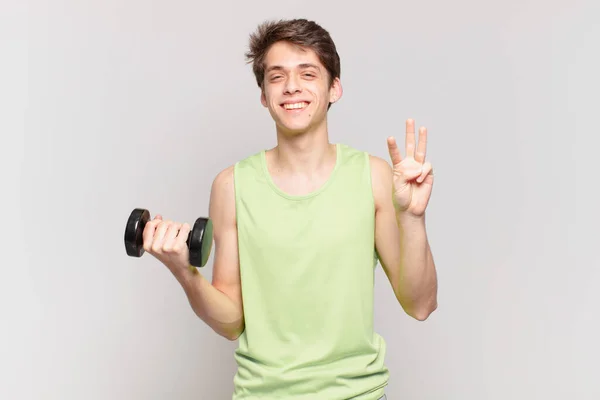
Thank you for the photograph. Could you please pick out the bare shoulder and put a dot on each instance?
(379, 166)
(222, 196)
(223, 181)
(381, 180)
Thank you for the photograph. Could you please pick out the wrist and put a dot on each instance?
(406, 218)
(183, 273)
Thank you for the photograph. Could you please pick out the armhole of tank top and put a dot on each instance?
(236, 193)
(369, 179)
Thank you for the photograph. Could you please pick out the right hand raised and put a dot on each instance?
(166, 240)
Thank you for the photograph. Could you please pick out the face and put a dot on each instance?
(296, 88)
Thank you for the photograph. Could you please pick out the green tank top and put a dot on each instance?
(307, 267)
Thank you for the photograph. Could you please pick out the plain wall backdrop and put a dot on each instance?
(111, 105)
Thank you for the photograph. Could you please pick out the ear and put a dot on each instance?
(263, 98)
(336, 91)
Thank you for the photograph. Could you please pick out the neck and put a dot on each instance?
(303, 153)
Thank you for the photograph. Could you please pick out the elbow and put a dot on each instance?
(420, 306)
(233, 333)
(232, 336)
(423, 313)
(420, 312)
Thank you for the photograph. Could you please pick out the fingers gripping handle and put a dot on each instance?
(199, 239)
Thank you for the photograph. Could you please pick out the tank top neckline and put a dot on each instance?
(279, 191)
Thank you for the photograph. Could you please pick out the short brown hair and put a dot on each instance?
(300, 32)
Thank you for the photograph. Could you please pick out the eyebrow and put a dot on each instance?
(301, 66)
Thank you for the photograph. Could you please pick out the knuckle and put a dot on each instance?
(168, 246)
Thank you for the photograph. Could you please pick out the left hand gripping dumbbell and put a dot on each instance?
(199, 240)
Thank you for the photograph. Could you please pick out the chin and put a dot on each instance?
(293, 130)
(293, 126)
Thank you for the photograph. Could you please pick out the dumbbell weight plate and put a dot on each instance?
(134, 241)
(200, 242)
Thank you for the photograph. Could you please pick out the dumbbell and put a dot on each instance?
(199, 240)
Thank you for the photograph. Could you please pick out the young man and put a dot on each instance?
(298, 231)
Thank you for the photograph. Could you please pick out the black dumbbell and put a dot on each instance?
(199, 240)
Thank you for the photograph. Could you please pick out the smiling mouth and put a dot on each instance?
(295, 106)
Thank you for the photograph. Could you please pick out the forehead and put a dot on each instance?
(289, 56)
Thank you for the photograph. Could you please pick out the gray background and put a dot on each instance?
(130, 103)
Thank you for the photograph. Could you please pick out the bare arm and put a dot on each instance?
(219, 303)
(403, 248)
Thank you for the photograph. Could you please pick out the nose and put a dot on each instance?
(291, 85)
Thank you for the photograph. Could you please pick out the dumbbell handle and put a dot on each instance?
(187, 241)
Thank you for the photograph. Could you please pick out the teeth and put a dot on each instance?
(295, 106)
